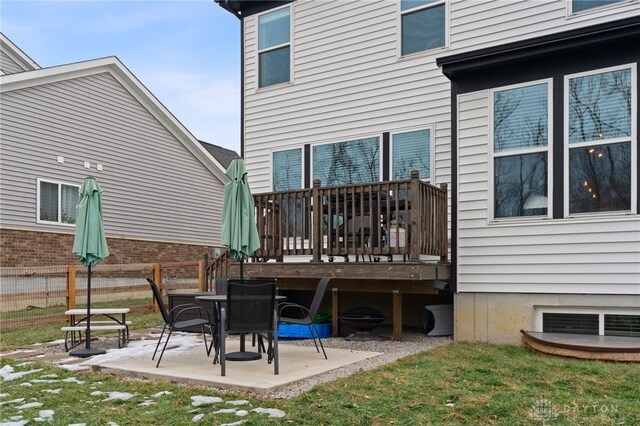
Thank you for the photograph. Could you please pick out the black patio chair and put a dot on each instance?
(306, 316)
(172, 322)
(250, 308)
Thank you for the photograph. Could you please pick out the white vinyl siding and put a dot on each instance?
(574, 255)
(153, 187)
(348, 84)
(479, 24)
(8, 65)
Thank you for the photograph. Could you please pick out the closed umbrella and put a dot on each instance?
(90, 244)
(239, 230)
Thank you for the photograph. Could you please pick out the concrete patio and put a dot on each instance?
(191, 365)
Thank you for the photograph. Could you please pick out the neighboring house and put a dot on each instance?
(162, 190)
(527, 110)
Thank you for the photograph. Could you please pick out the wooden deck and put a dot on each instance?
(608, 348)
(301, 231)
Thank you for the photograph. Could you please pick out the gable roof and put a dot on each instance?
(121, 73)
(223, 155)
(16, 54)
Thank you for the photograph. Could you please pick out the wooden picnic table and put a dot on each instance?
(114, 319)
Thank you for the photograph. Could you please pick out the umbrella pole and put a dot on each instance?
(87, 351)
(241, 271)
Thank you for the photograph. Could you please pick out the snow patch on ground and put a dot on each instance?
(238, 402)
(197, 418)
(272, 412)
(159, 394)
(7, 373)
(44, 416)
(119, 396)
(204, 400)
(52, 390)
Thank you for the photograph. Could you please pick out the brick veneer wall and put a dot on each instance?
(19, 248)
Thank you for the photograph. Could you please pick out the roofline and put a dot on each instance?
(120, 72)
(16, 54)
(469, 62)
(243, 8)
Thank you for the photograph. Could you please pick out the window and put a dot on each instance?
(602, 321)
(422, 25)
(411, 151)
(342, 163)
(580, 5)
(274, 47)
(521, 141)
(287, 170)
(600, 147)
(57, 202)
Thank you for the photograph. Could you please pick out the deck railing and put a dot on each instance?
(407, 217)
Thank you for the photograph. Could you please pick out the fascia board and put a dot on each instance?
(17, 55)
(120, 72)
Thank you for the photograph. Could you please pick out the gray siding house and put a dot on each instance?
(527, 110)
(162, 190)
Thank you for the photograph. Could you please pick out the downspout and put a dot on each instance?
(227, 6)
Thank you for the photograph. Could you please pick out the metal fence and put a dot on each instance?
(40, 295)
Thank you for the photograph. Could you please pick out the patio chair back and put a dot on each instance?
(158, 298)
(250, 306)
(221, 285)
(318, 296)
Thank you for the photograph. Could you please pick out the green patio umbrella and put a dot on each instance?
(239, 230)
(90, 245)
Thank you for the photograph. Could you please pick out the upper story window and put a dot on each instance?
(423, 25)
(274, 47)
(581, 5)
(287, 170)
(343, 163)
(521, 141)
(600, 140)
(411, 151)
(57, 202)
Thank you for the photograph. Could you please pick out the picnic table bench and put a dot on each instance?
(115, 319)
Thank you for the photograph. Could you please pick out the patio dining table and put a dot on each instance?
(242, 354)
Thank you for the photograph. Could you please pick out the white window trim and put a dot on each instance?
(432, 147)
(538, 312)
(59, 183)
(435, 50)
(258, 51)
(548, 149)
(633, 140)
(281, 149)
(349, 139)
(571, 14)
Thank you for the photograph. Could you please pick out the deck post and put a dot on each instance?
(317, 222)
(335, 313)
(397, 315)
(416, 213)
(442, 222)
(201, 275)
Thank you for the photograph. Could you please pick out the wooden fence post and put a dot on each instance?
(157, 277)
(201, 280)
(71, 287)
(317, 222)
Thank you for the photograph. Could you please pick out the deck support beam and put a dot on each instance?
(335, 320)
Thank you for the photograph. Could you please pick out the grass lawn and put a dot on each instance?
(455, 384)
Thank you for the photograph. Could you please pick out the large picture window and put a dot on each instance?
(343, 163)
(521, 141)
(287, 170)
(411, 151)
(423, 25)
(600, 144)
(57, 202)
(274, 47)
